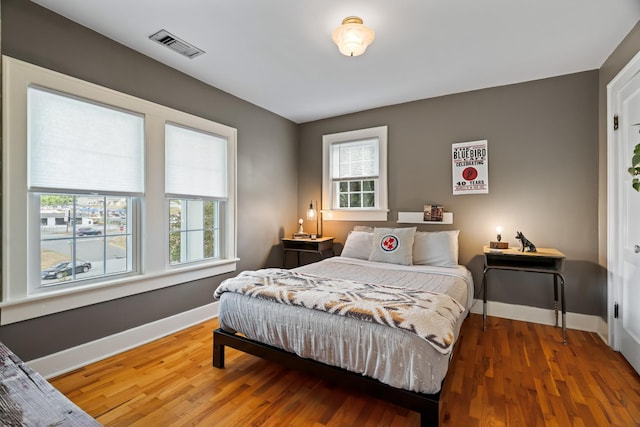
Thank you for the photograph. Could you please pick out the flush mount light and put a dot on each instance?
(353, 37)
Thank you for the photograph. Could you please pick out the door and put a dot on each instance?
(628, 227)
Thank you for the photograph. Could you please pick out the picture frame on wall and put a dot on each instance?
(470, 167)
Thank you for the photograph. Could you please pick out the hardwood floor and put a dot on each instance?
(514, 374)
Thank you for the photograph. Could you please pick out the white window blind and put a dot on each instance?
(195, 162)
(80, 145)
(356, 159)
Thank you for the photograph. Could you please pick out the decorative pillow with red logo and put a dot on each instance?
(393, 245)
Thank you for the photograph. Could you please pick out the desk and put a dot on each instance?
(320, 246)
(545, 260)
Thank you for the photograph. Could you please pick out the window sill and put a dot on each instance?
(355, 215)
(55, 301)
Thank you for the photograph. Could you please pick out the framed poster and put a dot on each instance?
(470, 166)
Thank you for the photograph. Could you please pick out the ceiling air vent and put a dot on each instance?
(172, 42)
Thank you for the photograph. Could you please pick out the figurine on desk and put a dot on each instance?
(300, 234)
(527, 245)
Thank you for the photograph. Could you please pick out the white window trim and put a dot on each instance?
(355, 214)
(154, 271)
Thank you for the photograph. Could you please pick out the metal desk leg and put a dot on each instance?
(555, 296)
(484, 299)
(564, 310)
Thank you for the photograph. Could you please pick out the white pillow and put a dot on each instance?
(438, 248)
(393, 245)
(358, 245)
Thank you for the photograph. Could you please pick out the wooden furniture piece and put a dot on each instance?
(27, 399)
(320, 246)
(427, 405)
(544, 260)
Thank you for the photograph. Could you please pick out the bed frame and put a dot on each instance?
(427, 405)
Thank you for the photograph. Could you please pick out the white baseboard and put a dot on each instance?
(581, 322)
(603, 330)
(77, 357)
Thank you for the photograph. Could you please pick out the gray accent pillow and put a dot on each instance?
(393, 245)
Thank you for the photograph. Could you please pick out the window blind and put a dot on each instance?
(79, 145)
(355, 159)
(195, 163)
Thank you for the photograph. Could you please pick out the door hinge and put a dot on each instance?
(615, 310)
(615, 122)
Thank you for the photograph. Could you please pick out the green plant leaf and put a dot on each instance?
(634, 170)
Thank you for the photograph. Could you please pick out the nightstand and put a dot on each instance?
(545, 260)
(322, 246)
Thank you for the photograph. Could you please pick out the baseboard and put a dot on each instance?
(82, 355)
(603, 330)
(581, 322)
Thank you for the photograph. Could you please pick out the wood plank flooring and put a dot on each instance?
(514, 374)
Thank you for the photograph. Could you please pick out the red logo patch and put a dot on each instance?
(389, 243)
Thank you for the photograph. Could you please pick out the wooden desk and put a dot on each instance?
(320, 246)
(545, 260)
(27, 399)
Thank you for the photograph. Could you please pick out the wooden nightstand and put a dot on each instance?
(322, 246)
(545, 260)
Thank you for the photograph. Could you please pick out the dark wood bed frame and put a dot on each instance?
(427, 405)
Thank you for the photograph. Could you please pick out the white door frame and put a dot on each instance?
(615, 171)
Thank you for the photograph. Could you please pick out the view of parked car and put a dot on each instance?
(88, 231)
(65, 268)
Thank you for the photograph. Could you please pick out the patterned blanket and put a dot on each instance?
(430, 315)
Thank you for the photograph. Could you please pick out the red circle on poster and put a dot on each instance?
(470, 173)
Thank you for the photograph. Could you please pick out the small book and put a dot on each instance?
(427, 213)
(437, 213)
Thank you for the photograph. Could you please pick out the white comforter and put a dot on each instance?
(393, 356)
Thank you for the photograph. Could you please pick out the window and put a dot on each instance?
(195, 166)
(81, 146)
(84, 237)
(193, 230)
(355, 175)
(91, 210)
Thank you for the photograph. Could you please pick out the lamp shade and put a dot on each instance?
(353, 37)
(312, 215)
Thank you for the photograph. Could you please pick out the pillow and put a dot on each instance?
(438, 248)
(392, 245)
(363, 228)
(358, 245)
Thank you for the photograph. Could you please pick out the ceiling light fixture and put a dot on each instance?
(353, 37)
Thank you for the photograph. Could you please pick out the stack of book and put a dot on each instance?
(433, 212)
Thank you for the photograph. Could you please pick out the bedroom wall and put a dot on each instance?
(267, 154)
(543, 161)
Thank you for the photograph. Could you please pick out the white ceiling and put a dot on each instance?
(278, 54)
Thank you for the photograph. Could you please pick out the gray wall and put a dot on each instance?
(543, 162)
(267, 154)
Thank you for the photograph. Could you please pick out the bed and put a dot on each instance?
(383, 317)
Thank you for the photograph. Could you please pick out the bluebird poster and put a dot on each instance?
(470, 166)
